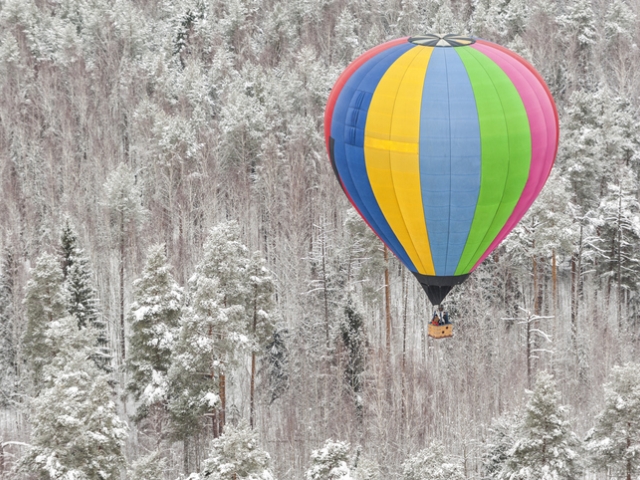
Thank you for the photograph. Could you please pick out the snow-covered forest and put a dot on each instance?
(185, 291)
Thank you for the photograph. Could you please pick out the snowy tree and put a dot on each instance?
(125, 208)
(148, 467)
(236, 455)
(8, 358)
(544, 446)
(618, 222)
(331, 462)
(45, 302)
(153, 319)
(432, 463)
(614, 443)
(260, 308)
(354, 340)
(82, 298)
(501, 439)
(276, 364)
(213, 330)
(76, 430)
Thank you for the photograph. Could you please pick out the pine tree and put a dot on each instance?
(236, 455)
(82, 298)
(213, 331)
(544, 446)
(432, 463)
(76, 430)
(153, 319)
(614, 443)
(8, 359)
(45, 301)
(331, 462)
(126, 211)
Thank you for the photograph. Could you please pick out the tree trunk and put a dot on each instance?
(122, 251)
(185, 456)
(253, 362)
(326, 300)
(529, 353)
(387, 302)
(619, 273)
(223, 403)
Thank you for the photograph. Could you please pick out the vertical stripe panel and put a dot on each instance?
(391, 153)
(449, 157)
(347, 129)
(506, 152)
(542, 120)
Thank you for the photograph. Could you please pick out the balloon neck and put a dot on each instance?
(437, 288)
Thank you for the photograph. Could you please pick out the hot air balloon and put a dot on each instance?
(441, 143)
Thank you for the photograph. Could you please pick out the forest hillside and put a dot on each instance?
(186, 292)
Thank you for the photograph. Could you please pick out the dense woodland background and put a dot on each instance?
(149, 148)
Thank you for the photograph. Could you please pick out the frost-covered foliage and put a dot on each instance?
(123, 198)
(148, 467)
(354, 340)
(614, 443)
(45, 301)
(77, 433)
(8, 342)
(276, 364)
(153, 317)
(433, 463)
(331, 462)
(237, 455)
(544, 447)
(82, 298)
(215, 327)
(502, 438)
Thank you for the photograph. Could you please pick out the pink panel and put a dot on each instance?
(543, 121)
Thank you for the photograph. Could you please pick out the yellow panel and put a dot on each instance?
(391, 152)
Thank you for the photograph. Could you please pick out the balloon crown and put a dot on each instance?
(440, 40)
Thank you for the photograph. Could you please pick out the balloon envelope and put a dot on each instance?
(441, 143)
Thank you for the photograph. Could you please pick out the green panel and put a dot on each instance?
(505, 140)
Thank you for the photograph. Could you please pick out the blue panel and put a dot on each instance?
(347, 130)
(449, 157)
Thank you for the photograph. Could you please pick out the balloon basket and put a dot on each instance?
(440, 331)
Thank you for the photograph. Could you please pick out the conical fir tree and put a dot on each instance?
(76, 430)
(82, 298)
(45, 302)
(153, 319)
(544, 446)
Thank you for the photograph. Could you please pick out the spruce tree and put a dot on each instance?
(82, 298)
(614, 443)
(331, 462)
(354, 340)
(544, 446)
(76, 430)
(277, 364)
(45, 301)
(153, 319)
